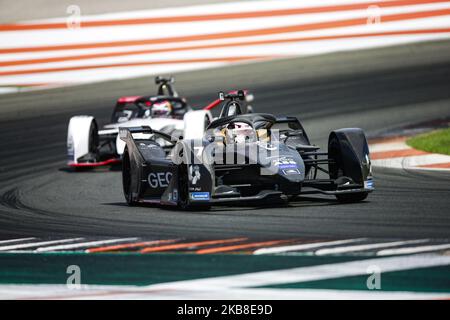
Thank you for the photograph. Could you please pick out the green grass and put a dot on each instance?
(435, 142)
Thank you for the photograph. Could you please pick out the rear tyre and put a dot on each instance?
(126, 179)
(92, 155)
(206, 123)
(337, 172)
(93, 139)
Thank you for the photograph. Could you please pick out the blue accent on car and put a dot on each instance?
(287, 166)
(202, 196)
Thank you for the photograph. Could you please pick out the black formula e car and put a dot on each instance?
(243, 158)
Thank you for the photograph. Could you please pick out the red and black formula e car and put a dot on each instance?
(88, 146)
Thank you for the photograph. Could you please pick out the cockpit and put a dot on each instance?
(239, 132)
(244, 128)
(150, 107)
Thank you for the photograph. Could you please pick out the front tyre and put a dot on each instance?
(337, 172)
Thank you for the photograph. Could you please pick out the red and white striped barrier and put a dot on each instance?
(57, 52)
(395, 153)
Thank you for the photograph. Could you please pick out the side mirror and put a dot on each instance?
(221, 96)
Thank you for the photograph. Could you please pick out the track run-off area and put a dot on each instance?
(85, 48)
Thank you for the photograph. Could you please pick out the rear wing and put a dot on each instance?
(126, 134)
(248, 97)
(166, 85)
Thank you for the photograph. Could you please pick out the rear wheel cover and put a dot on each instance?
(126, 178)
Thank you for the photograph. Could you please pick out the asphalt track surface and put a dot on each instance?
(376, 90)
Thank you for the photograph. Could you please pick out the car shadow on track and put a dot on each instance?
(248, 207)
(110, 168)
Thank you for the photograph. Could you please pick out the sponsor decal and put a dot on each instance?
(285, 161)
(291, 171)
(368, 184)
(175, 195)
(287, 166)
(194, 174)
(159, 179)
(204, 196)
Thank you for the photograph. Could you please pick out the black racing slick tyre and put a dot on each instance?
(337, 172)
(126, 178)
(92, 155)
(93, 138)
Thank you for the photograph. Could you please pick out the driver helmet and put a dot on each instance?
(240, 132)
(161, 109)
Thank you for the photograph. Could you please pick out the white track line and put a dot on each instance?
(366, 247)
(83, 245)
(305, 246)
(312, 273)
(15, 240)
(413, 250)
(412, 162)
(37, 244)
(233, 287)
(54, 292)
